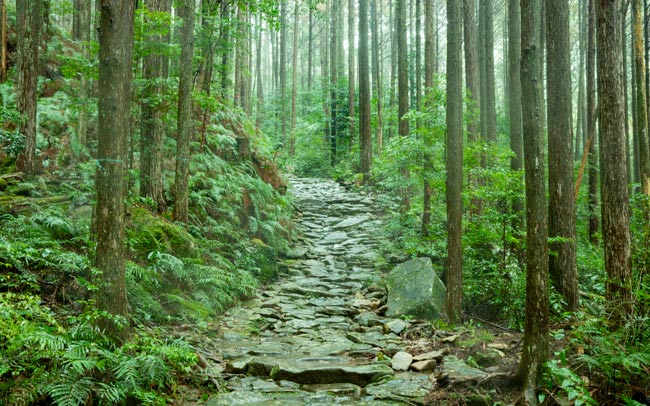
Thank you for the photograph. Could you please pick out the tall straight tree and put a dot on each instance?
(392, 21)
(486, 61)
(310, 42)
(418, 56)
(184, 125)
(514, 88)
(324, 71)
(259, 116)
(613, 188)
(471, 47)
(376, 77)
(81, 32)
(475, 81)
(490, 96)
(242, 69)
(365, 134)
(224, 68)
(3, 41)
(402, 86)
(641, 128)
(581, 113)
(535, 347)
(28, 23)
(429, 66)
(151, 127)
(454, 163)
(351, 81)
(591, 124)
(206, 68)
(562, 215)
(81, 19)
(333, 81)
(646, 30)
(294, 76)
(114, 106)
(283, 69)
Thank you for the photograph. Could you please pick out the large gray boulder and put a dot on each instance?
(415, 290)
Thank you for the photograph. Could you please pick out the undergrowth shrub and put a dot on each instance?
(71, 363)
(606, 366)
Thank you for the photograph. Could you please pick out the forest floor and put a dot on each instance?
(319, 335)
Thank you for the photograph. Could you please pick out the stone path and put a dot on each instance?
(313, 338)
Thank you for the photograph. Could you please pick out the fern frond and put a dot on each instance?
(109, 394)
(70, 391)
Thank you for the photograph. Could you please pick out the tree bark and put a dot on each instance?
(151, 128)
(114, 106)
(376, 77)
(392, 20)
(224, 69)
(185, 126)
(208, 11)
(259, 117)
(591, 125)
(429, 67)
(536, 327)
(490, 97)
(333, 82)
(242, 70)
(283, 70)
(454, 161)
(325, 80)
(402, 88)
(3, 41)
(514, 111)
(294, 75)
(614, 193)
(365, 134)
(28, 23)
(351, 81)
(310, 41)
(641, 128)
(471, 65)
(418, 57)
(581, 111)
(625, 94)
(81, 20)
(562, 215)
(482, 56)
(514, 89)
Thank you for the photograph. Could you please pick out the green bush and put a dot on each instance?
(71, 364)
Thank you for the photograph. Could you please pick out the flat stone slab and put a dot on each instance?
(350, 222)
(319, 373)
(372, 338)
(338, 389)
(434, 355)
(457, 369)
(410, 390)
(335, 237)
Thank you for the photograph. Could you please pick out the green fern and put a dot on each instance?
(71, 390)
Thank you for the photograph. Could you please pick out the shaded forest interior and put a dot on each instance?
(146, 149)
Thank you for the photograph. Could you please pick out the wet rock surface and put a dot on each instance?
(315, 336)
